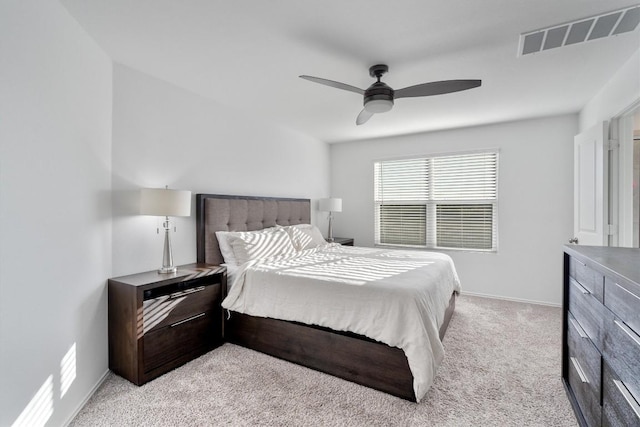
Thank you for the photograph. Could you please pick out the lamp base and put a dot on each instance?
(167, 258)
(167, 270)
(330, 231)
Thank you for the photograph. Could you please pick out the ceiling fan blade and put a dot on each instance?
(331, 83)
(436, 88)
(363, 117)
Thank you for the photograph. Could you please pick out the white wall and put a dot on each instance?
(620, 93)
(535, 211)
(616, 97)
(55, 212)
(164, 135)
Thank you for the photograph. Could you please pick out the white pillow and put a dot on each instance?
(225, 247)
(305, 236)
(225, 244)
(248, 246)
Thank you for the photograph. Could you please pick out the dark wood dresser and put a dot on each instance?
(158, 322)
(601, 334)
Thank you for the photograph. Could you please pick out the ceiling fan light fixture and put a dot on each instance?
(378, 105)
(379, 97)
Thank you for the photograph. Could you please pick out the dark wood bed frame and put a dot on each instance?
(342, 354)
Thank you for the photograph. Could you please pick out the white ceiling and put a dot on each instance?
(248, 54)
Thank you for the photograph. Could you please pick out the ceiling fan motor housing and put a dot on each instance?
(378, 98)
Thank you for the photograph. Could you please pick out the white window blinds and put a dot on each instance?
(438, 202)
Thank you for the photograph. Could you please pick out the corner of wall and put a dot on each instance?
(618, 94)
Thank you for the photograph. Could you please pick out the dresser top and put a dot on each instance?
(622, 262)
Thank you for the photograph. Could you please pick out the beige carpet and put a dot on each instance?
(502, 368)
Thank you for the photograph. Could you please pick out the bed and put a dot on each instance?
(314, 341)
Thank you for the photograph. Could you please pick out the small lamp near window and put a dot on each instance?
(330, 205)
(166, 203)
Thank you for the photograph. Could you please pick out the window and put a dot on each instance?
(447, 202)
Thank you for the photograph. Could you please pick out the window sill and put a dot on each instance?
(436, 249)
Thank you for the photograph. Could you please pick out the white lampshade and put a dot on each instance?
(165, 202)
(330, 205)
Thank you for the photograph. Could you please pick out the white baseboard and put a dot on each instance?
(87, 397)
(476, 294)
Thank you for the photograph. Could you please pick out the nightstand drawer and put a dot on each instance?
(169, 309)
(180, 338)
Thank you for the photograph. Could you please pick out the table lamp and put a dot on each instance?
(330, 205)
(166, 203)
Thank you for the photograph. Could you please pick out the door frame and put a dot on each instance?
(621, 177)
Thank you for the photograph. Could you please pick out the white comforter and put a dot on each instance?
(393, 296)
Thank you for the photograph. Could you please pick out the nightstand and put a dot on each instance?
(344, 241)
(158, 322)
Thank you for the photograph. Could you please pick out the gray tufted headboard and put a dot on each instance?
(216, 212)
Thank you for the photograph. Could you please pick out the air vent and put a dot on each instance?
(583, 30)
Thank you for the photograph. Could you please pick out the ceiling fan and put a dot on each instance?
(379, 97)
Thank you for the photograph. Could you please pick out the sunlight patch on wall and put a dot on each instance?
(67, 370)
(40, 409)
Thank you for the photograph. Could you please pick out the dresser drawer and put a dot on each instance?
(589, 278)
(584, 371)
(587, 311)
(168, 309)
(622, 352)
(181, 338)
(581, 347)
(624, 301)
(619, 405)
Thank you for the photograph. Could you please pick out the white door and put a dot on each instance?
(590, 189)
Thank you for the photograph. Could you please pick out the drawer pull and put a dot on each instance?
(197, 316)
(628, 293)
(631, 401)
(579, 370)
(578, 328)
(580, 287)
(628, 331)
(186, 292)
